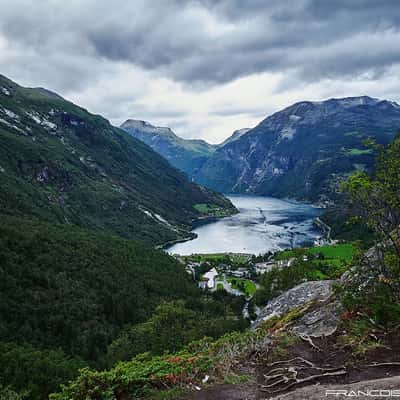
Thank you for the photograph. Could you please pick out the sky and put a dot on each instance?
(204, 68)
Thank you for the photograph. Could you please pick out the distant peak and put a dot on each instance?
(142, 124)
(137, 122)
(354, 101)
(235, 135)
(146, 127)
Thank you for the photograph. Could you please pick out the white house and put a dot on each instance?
(209, 277)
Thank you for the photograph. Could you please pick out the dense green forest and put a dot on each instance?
(75, 291)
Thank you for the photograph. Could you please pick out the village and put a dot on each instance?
(236, 273)
(240, 274)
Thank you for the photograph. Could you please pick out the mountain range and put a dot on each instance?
(60, 163)
(184, 154)
(303, 152)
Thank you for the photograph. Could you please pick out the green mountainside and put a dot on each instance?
(184, 154)
(63, 164)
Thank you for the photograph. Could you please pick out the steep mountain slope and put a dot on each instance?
(303, 151)
(235, 136)
(61, 163)
(186, 155)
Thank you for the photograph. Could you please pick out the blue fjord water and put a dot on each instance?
(263, 224)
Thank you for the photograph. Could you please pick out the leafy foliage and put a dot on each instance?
(374, 284)
(174, 325)
(137, 377)
(35, 373)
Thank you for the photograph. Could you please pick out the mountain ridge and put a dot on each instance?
(303, 151)
(188, 155)
(61, 163)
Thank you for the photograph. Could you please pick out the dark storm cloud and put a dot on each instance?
(208, 41)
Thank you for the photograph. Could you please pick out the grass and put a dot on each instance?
(225, 258)
(244, 285)
(212, 210)
(285, 255)
(342, 252)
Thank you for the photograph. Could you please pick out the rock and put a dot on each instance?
(322, 321)
(377, 388)
(296, 297)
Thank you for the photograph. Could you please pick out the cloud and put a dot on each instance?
(205, 66)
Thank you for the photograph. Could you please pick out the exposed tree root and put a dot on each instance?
(294, 381)
(307, 339)
(384, 364)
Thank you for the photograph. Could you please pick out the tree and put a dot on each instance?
(375, 283)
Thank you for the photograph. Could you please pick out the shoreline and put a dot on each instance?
(325, 229)
(172, 242)
(195, 224)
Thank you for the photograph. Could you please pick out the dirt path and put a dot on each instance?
(226, 392)
(373, 389)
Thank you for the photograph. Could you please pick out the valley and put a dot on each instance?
(199, 200)
(124, 277)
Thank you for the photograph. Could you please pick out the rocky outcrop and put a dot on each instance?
(306, 292)
(322, 321)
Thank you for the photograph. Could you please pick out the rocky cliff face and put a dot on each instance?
(303, 151)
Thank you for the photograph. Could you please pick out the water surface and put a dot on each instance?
(263, 224)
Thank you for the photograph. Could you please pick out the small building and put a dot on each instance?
(239, 273)
(209, 279)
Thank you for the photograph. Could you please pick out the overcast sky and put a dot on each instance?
(206, 67)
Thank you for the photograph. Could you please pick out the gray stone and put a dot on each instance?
(322, 321)
(295, 297)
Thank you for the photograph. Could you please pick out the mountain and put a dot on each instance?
(62, 164)
(184, 154)
(235, 135)
(303, 151)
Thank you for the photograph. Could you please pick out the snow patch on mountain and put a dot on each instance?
(9, 113)
(5, 91)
